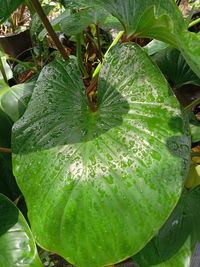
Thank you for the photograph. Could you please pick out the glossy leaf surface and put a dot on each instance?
(17, 247)
(15, 100)
(175, 68)
(7, 7)
(100, 176)
(174, 244)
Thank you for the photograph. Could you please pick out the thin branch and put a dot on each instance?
(49, 28)
(7, 150)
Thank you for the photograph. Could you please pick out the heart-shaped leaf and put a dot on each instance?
(17, 247)
(174, 244)
(7, 7)
(175, 68)
(99, 177)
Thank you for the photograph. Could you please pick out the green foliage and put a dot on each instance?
(175, 68)
(176, 240)
(101, 167)
(102, 170)
(7, 7)
(17, 247)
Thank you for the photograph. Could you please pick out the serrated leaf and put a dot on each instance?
(17, 247)
(175, 68)
(7, 7)
(100, 176)
(174, 244)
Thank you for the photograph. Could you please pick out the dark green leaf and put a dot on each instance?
(99, 177)
(8, 185)
(153, 18)
(76, 4)
(155, 46)
(174, 244)
(17, 247)
(7, 7)
(157, 19)
(175, 68)
(77, 22)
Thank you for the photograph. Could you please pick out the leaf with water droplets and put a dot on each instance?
(107, 180)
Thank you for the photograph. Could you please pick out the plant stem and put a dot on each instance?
(194, 22)
(25, 64)
(7, 150)
(192, 105)
(98, 42)
(118, 37)
(79, 55)
(3, 71)
(49, 28)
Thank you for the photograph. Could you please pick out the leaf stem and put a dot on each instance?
(49, 28)
(194, 22)
(79, 55)
(192, 105)
(115, 41)
(7, 150)
(3, 71)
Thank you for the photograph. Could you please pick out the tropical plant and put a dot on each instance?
(102, 157)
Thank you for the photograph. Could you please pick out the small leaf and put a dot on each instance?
(17, 247)
(155, 46)
(174, 244)
(14, 101)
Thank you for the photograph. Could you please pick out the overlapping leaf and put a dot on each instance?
(157, 19)
(17, 247)
(101, 176)
(174, 244)
(7, 7)
(175, 68)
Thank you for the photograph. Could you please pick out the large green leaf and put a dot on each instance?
(7, 7)
(175, 68)
(174, 244)
(17, 247)
(152, 18)
(99, 177)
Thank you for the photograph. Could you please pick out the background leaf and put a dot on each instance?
(17, 247)
(7, 7)
(175, 68)
(14, 101)
(108, 171)
(174, 244)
